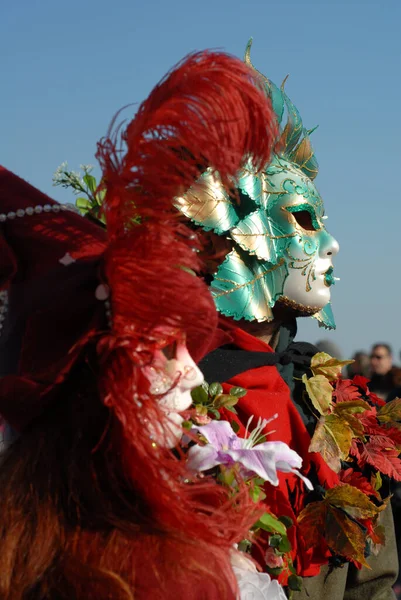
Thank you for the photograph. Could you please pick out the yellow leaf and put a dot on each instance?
(320, 392)
(324, 364)
(376, 481)
(353, 501)
(390, 412)
(332, 439)
(346, 412)
(353, 406)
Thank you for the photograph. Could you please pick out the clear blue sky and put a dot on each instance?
(66, 67)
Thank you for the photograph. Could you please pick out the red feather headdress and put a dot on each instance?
(208, 112)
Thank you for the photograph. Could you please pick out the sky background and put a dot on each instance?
(67, 67)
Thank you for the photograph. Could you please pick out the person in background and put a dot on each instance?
(330, 348)
(384, 376)
(360, 366)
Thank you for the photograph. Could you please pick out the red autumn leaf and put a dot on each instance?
(361, 382)
(345, 391)
(378, 535)
(357, 480)
(356, 448)
(345, 536)
(383, 440)
(376, 400)
(394, 434)
(335, 519)
(311, 522)
(381, 458)
(369, 421)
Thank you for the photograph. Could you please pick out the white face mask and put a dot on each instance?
(163, 377)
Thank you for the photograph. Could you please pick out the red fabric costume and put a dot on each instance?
(268, 395)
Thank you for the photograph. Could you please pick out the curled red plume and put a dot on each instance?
(210, 111)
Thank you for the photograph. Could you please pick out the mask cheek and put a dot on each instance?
(176, 379)
(191, 375)
(306, 286)
(177, 399)
(170, 433)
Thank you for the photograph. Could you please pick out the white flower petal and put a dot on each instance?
(202, 458)
(258, 586)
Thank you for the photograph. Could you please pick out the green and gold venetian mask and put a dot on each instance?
(281, 250)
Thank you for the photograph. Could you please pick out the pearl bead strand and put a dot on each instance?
(36, 210)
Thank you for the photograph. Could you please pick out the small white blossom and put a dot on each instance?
(86, 168)
(252, 584)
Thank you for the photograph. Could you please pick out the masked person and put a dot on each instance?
(271, 260)
(95, 370)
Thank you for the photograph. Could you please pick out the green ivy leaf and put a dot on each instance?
(200, 395)
(215, 389)
(226, 400)
(269, 523)
(287, 521)
(295, 583)
(275, 540)
(215, 413)
(275, 571)
(284, 546)
(238, 392)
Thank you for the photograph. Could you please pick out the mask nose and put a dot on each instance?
(329, 247)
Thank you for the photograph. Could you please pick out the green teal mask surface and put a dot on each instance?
(281, 250)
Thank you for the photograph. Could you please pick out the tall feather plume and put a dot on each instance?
(208, 112)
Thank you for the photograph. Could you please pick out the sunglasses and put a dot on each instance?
(379, 356)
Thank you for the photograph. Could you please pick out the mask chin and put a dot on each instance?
(286, 306)
(307, 302)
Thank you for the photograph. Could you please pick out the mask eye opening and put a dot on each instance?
(305, 216)
(170, 351)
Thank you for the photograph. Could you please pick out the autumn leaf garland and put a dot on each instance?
(359, 437)
(351, 428)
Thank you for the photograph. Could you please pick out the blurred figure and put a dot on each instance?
(330, 348)
(384, 376)
(381, 359)
(360, 366)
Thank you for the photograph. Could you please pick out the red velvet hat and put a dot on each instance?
(49, 272)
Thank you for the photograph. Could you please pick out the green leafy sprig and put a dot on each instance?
(82, 182)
